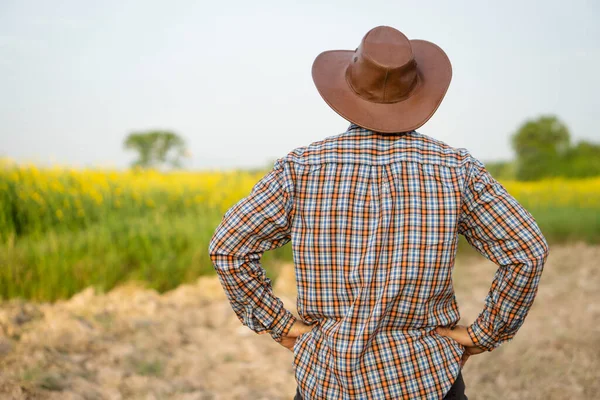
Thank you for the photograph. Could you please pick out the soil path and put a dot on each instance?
(187, 344)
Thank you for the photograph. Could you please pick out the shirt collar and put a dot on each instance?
(353, 127)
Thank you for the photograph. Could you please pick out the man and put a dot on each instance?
(373, 216)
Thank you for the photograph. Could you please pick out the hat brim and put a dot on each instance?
(434, 71)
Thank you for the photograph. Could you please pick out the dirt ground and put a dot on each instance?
(187, 344)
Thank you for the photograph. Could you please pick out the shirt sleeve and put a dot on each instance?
(257, 223)
(502, 230)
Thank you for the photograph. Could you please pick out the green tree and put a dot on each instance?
(541, 146)
(582, 160)
(501, 169)
(156, 148)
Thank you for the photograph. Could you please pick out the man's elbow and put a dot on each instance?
(540, 253)
(221, 248)
(545, 249)
(212, 249)
(215, 248)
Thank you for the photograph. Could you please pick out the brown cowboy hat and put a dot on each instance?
(388, 84)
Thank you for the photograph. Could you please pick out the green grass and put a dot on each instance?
(159, 251)
(162, 251)
(561, 225)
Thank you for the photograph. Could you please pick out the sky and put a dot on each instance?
(233, 78)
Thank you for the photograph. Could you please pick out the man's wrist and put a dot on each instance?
(282, 326)
(481, 336)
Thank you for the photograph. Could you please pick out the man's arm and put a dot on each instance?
(502, 230)
(257, 223)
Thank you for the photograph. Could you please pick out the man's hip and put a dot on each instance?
(456, 392)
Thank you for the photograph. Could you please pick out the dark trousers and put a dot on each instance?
(456, 392)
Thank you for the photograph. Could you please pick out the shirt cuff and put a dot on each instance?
(481, 336)
(282, 326)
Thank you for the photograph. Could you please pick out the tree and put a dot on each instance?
(156, 148)
(541, 146)
(582, 160)
(501, 169)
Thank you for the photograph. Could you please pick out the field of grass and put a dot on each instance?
(62, 230)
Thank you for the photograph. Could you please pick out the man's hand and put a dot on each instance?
(296, 330)
(460, 334)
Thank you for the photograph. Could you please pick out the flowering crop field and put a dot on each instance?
(65, 229)
(34, 201)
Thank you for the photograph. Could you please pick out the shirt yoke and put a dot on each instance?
(361, 146)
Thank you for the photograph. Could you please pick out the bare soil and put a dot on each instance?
(134, 343)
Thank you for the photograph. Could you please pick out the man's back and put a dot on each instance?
(373, 221)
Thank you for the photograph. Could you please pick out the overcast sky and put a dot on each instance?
(234, 77)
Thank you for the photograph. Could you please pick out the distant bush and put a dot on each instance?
(505, 170)
(543, 148)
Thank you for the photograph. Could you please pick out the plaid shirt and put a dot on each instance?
(373, 222)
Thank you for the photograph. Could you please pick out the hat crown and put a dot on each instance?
(383, 69)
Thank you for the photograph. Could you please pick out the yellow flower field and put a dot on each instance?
(550, 193)
(46, 198)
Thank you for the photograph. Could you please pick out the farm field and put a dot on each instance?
(63, 230)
